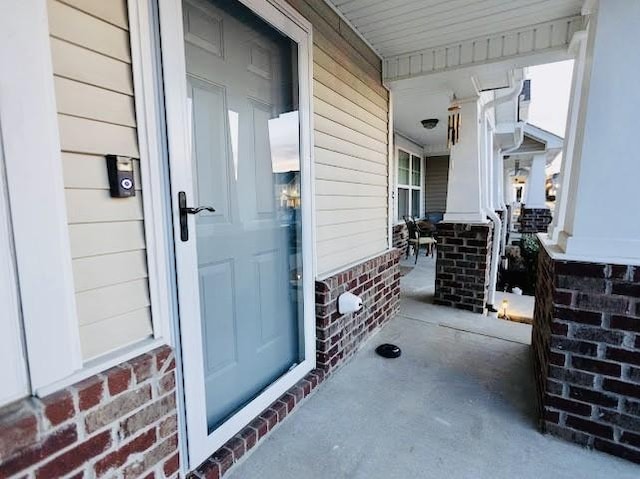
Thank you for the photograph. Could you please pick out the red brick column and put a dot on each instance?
(400, 237)
(121, 422)
(462, 265)
(534, 220)
(586, 341)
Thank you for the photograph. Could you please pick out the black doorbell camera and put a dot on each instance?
(121, 180)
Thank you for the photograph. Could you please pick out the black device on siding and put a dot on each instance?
(120, 171)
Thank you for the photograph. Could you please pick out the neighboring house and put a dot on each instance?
(187, 187)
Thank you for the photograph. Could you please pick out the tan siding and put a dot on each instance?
(87, 101)
(337, 130)
(99, 304)
(74, 26)
(94, 94)
(326, 95)
(80, 135)
(109, 269)
(96, 206)
(77, 63)
(111, 11)
(436, 179)
(88, 171)
(331, 143)
(351, 156)
(91, 239)
(332, 188)
(110, 334)
(333, 158)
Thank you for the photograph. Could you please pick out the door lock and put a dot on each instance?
(188, 210)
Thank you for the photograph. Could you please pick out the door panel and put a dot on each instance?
(245, 163)
(209, 126)
(216, 298)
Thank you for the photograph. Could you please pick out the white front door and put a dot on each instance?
(240, 187)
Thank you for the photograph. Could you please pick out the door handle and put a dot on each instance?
(195, 211)
(188, 210)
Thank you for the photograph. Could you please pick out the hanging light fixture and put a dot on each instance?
(430, 123)
(453, 126)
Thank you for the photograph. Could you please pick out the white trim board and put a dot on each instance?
(13, 363)
(534, 44)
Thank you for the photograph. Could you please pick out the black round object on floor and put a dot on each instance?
(389, 351)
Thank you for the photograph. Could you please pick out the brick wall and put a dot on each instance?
(462, 265)
(400, 237)
(122, 423)
(377, 282)
(534, 220)
(586, 341)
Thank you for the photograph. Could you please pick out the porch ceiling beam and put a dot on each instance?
(549, 41)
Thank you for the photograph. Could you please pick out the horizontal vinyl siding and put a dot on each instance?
(436, 181)
(351, 156)
(94, 93)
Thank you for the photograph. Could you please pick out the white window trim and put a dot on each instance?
(36, 192)
(397, 184)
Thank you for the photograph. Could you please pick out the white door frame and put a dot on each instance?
(284, 18)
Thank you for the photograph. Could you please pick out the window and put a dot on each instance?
(409, 185)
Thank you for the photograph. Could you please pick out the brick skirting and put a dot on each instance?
(586, 342)
(462, 265)
(377, 282)
(122, 422)
(534, 220)
(400, 237)
(338, 337)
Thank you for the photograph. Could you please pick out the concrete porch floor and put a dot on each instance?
(459, 403)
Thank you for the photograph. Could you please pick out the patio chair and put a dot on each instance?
(418, 238)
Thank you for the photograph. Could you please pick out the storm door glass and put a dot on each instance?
(243, 94)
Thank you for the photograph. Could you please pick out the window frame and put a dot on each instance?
(408, 186)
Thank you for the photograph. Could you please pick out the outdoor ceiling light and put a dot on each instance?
(430, 123)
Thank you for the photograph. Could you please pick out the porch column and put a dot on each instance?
(464, 200)
(509, 195)
(464, 235)
(498, 181)
(578, 46)
(602, 217)
(536, 182)
(535, 216)
(587, 313)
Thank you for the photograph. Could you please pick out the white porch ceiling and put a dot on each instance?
(396, 27)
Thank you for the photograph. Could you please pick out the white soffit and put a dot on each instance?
(395, 27)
